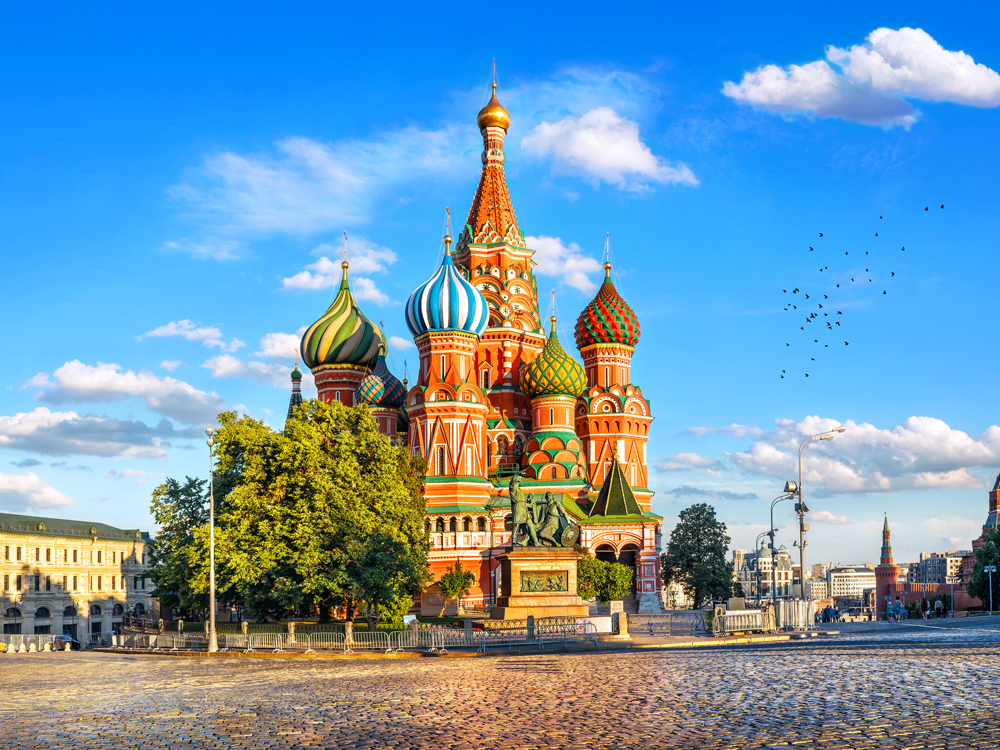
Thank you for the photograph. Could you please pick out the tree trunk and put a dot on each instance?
(444, 606)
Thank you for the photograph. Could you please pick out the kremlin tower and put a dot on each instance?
(885, 573)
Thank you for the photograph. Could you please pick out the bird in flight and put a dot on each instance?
(925, 209)
(942, 205)
(825, 297)
(893, 273)
(846, 344)
(866, 252)
(820, 234)
(813, 359)
(876, 234)
(810, 250)
(839, 312)
(880, 216)
(807, 374)
(903, 248)
(883, 291)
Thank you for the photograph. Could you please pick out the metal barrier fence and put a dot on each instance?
(683, 622)
(743, 621)
(377, 640)
(796, 615)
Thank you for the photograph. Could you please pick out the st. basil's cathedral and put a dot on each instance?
(496, 394)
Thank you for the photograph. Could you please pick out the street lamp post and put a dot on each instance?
(800, 506)
(774, 502)
(991, 569)
(760, 593)
(213, 641)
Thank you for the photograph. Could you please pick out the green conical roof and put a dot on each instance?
(616, 497)
(343, 336)
(554, 372)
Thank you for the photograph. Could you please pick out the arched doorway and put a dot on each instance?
(628, 559)
(69, 622)
(605, 553)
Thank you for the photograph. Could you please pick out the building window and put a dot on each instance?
(552, 416)
(441, 464)
(48, 554)
(439, 526)
(75, 584)
(74, 559)
(453, 525)
(441, 370)
(135, 582)
(606, 381)
(19, 554)
(6, 552)
(99, 587)
(65, 587)
(486, 380)
(623, 375)
(481, 524)
(38, 583)
(98, 557)
(466, 524)
(38, 554)
(18, 582)
(113, 584)
(6, 583)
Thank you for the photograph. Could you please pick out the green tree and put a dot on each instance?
(696, 555)
(604, 581)
(988, 554)
(178, 509)
(297, 510)
(455, 583)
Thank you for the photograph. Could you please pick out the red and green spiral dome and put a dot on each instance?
(607, 319)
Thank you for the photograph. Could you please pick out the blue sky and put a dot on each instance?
(173, 182)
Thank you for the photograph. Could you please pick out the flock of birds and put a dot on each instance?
(823, 321)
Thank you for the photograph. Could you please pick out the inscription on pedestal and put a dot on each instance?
(545, 580)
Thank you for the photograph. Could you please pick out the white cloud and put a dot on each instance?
(22, 492)
(922, 452)
(364, 257)
(689, 491)
(228, 366)
(690, 462)
(170, 364)
(304, 186)
(602, 145)
(735, 430)
(75, 381)
(876, 80)
(132, 473)
(280, 345)
(400, 343)
(68, 433)
(207, 335)
(214, 248)
(825, 516)
(553, 258)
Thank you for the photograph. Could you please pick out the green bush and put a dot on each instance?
(604, 581)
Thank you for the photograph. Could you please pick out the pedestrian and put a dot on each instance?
(899, 609)
(937, 608)
(924, 607)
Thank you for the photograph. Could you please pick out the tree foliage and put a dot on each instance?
(988, 554)
(179, 510)
(696, 555)
(327, 512)
(604, 581)
(455, 583)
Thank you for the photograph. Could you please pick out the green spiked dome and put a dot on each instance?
(343, 336)
(554, 372)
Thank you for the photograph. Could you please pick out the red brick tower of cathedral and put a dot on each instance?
(886, 573)
(495, 396)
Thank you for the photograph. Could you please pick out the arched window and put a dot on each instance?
(439, 526)
(427, 526)
(42, 613)
(95, 610)
(486, 380)
(69, 612)
(606, 381)
(481, 524)
(508, 522)
(518, 446)
(453, 524)
(466, 524)
(622, 375)
(139, 609)
(502, 445)
(442, 469)
(12, 612)
(336, 396)
(117, 611)
(441, 369)
(605, 553)
(552, 416)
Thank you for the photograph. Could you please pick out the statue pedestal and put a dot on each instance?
(538, 581)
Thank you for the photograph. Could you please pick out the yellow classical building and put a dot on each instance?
(70, 577)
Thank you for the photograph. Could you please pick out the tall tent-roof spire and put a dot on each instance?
(616, 497)
(491, 216)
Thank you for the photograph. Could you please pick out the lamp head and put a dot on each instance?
(209, 431)
(839, 429)
(210, 442)
(791, 487)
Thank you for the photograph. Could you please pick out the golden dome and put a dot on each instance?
(493, 115)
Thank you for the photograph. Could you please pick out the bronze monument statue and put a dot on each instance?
(542, 523)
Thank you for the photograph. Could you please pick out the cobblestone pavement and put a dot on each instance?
(923, 688)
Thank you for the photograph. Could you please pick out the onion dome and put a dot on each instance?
(447, 302)
(380, 388)
(607, 319)
(553, 372)
(493, 115)
(343, 336)
(296, 374)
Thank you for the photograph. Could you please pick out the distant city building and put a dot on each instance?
(739, 555)
(850, 581)
(757, 567)
(940, 567)
(819, 570)
(817, 588)
(70, 577)
(675, 598)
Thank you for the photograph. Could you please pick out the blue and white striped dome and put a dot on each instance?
(447, 302)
